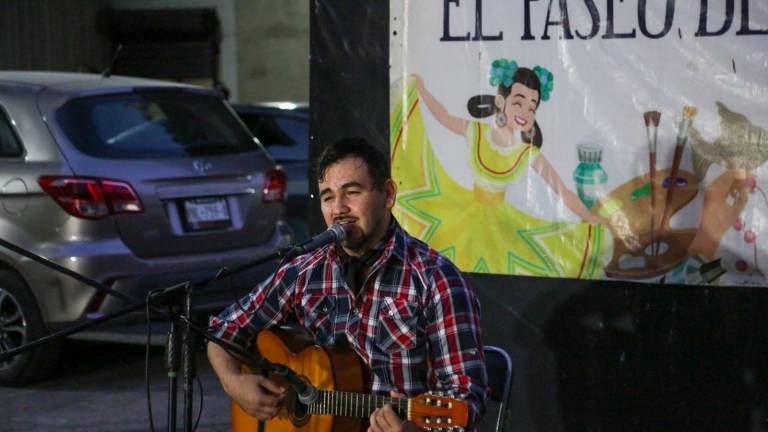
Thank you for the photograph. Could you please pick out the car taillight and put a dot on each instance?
(275, 186)
(91, 198)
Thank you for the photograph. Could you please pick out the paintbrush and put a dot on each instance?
(651, 129)
(689, 113)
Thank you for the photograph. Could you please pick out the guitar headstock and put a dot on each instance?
(435, 411)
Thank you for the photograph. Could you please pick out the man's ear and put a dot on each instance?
(390, 190)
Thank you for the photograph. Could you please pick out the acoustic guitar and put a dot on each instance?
(341, 404)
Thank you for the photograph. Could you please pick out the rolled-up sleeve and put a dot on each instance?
(454, 334)
(265, 306)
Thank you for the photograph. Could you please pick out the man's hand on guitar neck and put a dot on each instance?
(386, 419)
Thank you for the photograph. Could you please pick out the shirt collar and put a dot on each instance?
(398, 243)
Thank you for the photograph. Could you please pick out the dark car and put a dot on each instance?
(134, 183)
(283, 128)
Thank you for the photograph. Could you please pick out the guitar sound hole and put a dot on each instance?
(299, 414)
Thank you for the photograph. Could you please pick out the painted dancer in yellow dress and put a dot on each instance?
(477, 228)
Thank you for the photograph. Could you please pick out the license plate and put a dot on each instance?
(206, 213)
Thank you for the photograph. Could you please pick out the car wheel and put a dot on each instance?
(21, 323)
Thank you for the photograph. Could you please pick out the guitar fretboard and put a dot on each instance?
(346, 404)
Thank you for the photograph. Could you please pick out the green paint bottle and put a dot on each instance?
(589, 174)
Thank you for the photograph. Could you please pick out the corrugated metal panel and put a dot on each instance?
(52, 35)
(177, 44)
(168, 60)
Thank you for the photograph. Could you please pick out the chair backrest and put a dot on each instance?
(499, 367)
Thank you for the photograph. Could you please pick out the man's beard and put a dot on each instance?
(356, 239)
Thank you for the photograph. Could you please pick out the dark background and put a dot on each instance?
(589, 356)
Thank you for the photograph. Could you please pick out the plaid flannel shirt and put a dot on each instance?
(415, 322)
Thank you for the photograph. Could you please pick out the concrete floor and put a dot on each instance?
(100, 387)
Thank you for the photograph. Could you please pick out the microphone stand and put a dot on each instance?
(170, 296)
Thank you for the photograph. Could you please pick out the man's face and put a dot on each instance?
(348, 197)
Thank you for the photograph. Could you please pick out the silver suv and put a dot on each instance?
(137, 184)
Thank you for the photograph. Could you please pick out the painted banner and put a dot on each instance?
(596, 139)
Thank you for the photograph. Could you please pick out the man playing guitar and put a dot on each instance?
(402, 307)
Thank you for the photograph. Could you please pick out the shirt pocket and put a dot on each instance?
(398, 326)
(318, 311)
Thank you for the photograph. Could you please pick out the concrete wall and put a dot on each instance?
(264, 53)
(264, 47)
(273, 50)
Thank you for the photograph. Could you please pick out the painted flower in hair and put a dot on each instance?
(503, 72)
(547, 81)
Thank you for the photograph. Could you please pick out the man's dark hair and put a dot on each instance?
(375, 160)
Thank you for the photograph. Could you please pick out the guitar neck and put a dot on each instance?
(347, 404)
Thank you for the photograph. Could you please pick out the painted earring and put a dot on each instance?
(501, 119)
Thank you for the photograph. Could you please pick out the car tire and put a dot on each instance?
(21, 323)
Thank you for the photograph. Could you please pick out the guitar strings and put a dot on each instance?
(349, 404)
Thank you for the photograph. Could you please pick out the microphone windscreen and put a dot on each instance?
(338, 230)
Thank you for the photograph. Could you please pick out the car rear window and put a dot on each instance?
(286, 137)
(152, 125)
(9, 144)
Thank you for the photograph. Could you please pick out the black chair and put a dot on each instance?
(499, 368)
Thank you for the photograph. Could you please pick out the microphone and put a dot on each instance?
(333, 233)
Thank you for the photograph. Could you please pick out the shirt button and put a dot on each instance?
(391, 313)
